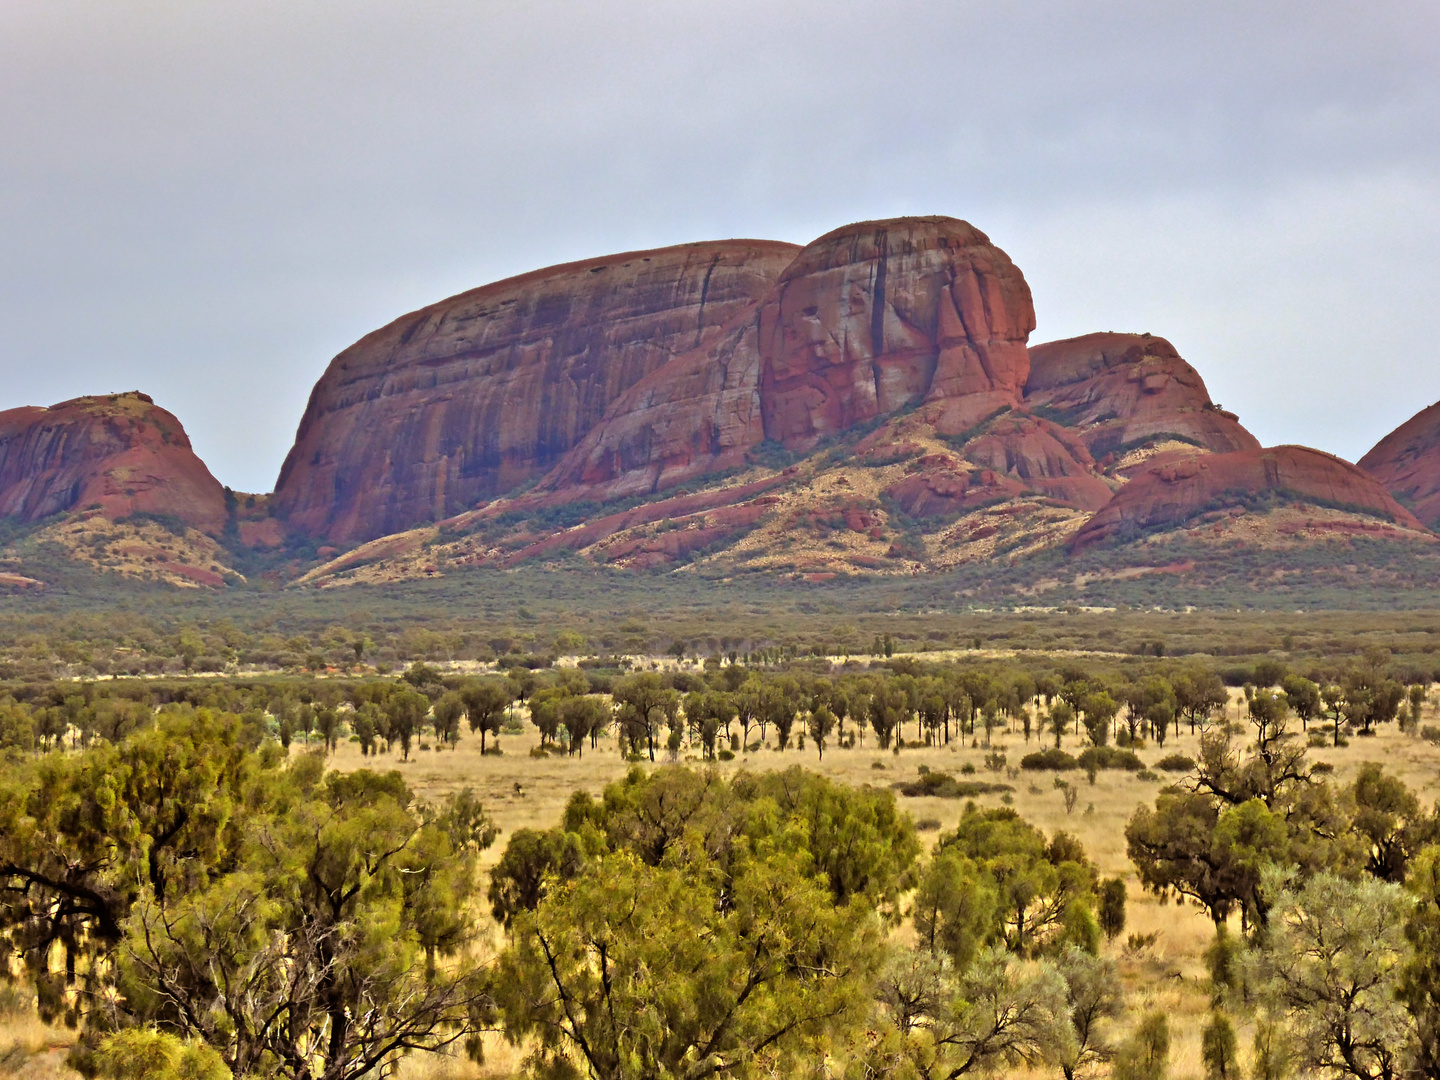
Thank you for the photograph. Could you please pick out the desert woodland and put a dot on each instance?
(733, 659)
(683, 865)
(652, 541)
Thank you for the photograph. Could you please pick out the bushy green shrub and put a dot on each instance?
(1050, 758)
(1146, 1054)
(1218, 1049)
(1110, 757)
(941, 785)
(1175, 763)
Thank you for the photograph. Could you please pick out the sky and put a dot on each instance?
(207, 200)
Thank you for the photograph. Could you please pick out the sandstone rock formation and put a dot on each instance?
(120, 452)
(1407, 462)
(1171, 494)
(866, 320)
(471, 397)
(633, 376)
(1044, 457)
(1121, 390)
(876, 316)
(696, 416)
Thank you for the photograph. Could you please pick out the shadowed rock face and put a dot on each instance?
(1044, 457)
(1407, 462)
(628, 376)
(120, 452)
(950, 313)
(1170, 494)
(1120, 390)
(884, 314)
(471, 397)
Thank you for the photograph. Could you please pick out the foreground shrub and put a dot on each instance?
(730, 922)
(1109, 757)
(1175, 763)
(1049, 759)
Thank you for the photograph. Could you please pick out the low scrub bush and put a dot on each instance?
(1049, 759)
(941, 785)
(1110, 757)
(17, 1000)
(1175, 763)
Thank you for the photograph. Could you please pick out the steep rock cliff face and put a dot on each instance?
(120, 452)
(1121, 390)
(1044, 457)
(1171, 494)
(1407, 462)
(866, 320)
(471, 397)
(697, 415)
(876, 316)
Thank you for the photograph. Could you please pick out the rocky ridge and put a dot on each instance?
(472, 397)
(1175, 492)
(120, 454)
(877, 411)
(1407, 462)
(1126, 391)
(865, 405)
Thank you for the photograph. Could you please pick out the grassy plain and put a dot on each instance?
(524, 789)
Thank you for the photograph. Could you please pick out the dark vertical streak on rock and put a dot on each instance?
(877, 308)
(704, 292)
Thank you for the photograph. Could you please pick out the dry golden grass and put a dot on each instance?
(32, 1049)
(139, 549)
(523, 791)
(501, 1060)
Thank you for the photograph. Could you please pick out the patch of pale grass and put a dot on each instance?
(522, 791)
(501, 1061)
(34, 1050)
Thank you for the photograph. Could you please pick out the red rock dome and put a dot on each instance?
(864, 321)
(883, 314)
(1120, 390)
(471, 397)
(121, 453)
(1407, 462)
(1169, 495)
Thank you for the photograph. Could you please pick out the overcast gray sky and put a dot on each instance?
(208, 200)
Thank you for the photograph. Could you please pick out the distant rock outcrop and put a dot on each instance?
(1169, 495)
(1407, 462)
(1119, 391)
(631, 376)
(120, 453)
(877, 316)
(866, 320)
(864, 405)
(474, 396)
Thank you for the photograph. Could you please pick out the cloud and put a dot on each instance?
(208, 200)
